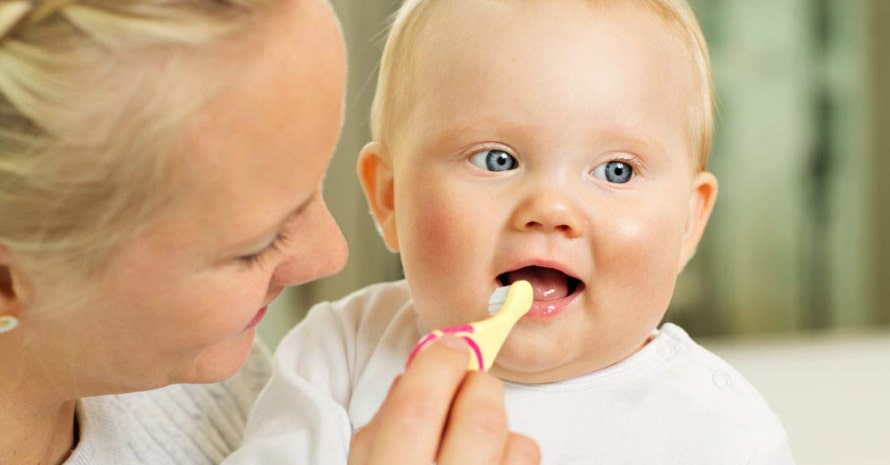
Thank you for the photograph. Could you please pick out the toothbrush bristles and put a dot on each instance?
(497, 299)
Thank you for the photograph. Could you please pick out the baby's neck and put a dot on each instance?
(35, 434)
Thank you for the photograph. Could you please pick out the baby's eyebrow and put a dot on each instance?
(634, 140)
(483, 128)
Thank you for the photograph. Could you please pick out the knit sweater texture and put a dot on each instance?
(182, 424)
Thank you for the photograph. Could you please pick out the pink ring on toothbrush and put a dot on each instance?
(480, 365)
(487, 336)
(462, 331)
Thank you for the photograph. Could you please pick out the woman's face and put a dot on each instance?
(181, 302)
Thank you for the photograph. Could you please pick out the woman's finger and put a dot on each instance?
(477, 426)
(363, 439)
(521, 450)
(407, 430)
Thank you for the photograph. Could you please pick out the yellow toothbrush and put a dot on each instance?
(507, 305)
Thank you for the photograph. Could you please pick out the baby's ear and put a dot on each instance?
(376, 176)
(701, 203)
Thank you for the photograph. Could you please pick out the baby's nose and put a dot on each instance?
(549, 210)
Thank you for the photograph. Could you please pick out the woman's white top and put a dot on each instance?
(182, 424)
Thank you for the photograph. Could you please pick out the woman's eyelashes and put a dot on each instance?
(494, 160)
(273, 247)
(284, 234)
(614, 171)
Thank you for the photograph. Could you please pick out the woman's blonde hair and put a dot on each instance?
(93, 98)
(397, 63)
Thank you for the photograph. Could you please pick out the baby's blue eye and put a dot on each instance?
(617, 172)
(494, 160)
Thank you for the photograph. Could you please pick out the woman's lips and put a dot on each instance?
(257, 318)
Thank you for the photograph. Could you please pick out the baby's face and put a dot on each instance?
(549, 142)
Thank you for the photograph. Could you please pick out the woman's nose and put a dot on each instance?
(318, 251)
(549, 211)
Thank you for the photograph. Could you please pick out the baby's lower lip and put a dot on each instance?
(543, 309)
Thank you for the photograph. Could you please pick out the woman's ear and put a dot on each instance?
(376, 176)
(701, 203)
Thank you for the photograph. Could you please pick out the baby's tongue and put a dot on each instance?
(548, 283)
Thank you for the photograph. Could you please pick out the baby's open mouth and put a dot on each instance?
(548, 283)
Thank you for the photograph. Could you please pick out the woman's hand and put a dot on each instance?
(439, 412)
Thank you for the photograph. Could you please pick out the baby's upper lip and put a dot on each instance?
(541, 263)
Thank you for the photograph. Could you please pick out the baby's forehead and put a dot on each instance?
(445, 26)
(492, 14)
(463, 26)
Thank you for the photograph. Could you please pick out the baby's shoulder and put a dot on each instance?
(704, 384)
(363, 319)
(379, 302)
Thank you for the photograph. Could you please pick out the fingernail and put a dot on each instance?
(453, 341)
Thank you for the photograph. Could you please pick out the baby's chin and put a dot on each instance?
(540, 376)
(526, 365)
(529, 368)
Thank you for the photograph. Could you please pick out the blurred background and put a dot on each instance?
(792, 281)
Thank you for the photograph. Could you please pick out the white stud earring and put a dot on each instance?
(8, 323)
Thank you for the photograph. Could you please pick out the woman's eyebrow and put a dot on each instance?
(299, 209)
(264, 236)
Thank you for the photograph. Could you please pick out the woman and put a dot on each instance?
(160, 184)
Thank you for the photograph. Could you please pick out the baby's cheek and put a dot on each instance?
(644, 244)
(437, 228)
(426, 246)
(433, 224)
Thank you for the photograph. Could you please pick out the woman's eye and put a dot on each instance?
(494, 160)
(617, 172)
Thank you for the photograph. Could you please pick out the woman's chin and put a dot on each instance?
(220, 362)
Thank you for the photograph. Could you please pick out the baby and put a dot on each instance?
(563, 142)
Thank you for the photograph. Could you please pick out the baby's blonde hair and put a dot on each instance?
(94, 95)
(394, 79)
